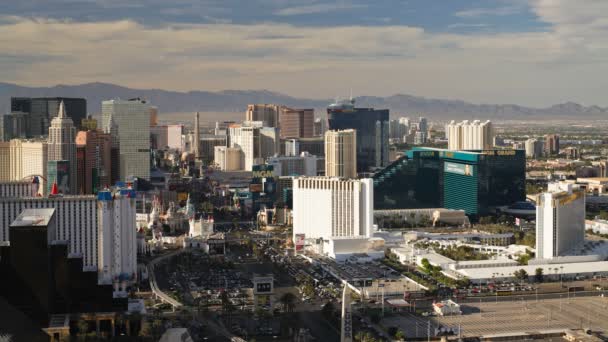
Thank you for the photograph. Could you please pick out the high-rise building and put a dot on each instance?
(560, 220)
(197, 137)
(153, 116)
(228, 158)
(96, 160)
(267, 113)
(466, 135)
(14, 126)
(423, 124)
(296, 123)
(207, 143)
(372, 132)
(534, 148)
(319, 127)
(174, 137)
(270, 142)
(42, 281)
(159, 139)
(133, 120)
(28, 158)
(89, 124)
(117, 253)
(551, 144)
(397, 130)
(327, 207)
(41, 111)
(5, 161)
(475, 182)
(112, 130)
(341, 153)
(255, 141)
(76, 221)
(62, 144)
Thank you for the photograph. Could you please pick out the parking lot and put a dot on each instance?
(518, 315)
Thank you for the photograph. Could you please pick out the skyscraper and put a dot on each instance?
(465, 135)
(296, 123)
(197, 137)
(326, 207)
(560, 220)
(112, 129)
(133, 120)
(62, 144)
(28, 158)
(551, 144)
(534, 148)
(267, 113)
(40, 111)
(341, 153)
(372, 128)
(96, 161)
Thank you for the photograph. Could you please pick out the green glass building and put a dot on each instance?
(474, 181)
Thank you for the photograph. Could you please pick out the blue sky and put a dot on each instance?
(532, 52)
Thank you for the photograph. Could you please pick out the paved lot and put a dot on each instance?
(516, 316)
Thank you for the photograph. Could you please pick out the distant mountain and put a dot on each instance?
(237, 100)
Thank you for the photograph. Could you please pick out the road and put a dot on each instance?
(154, 286)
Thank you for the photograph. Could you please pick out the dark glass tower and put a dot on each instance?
(372, 132)
(42, 110)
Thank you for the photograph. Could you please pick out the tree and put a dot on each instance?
(538, 275)
(400, 335)
(521, 274)
(288, 301)
(308, 290)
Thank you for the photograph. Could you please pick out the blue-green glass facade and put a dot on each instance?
(474, 181)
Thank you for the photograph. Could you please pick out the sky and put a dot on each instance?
(527, 52)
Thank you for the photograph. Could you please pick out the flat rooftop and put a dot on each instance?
(34, 218)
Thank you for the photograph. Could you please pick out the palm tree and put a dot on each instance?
(288, 301)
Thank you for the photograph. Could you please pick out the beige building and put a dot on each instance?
(5, 161)
(228, 158)
(297, 123)
(29, 158)
(341, 153)
(267, 113)
(62, 145)
(470, 135)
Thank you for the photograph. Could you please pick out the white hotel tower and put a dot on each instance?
(470, 135)
(560, 220)
(327, 207)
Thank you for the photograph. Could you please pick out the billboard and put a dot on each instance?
(255, 187)
(461, 169)
(58, 171)
(262, 171)
(300, 240)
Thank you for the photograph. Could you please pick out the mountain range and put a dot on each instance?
(237, 100)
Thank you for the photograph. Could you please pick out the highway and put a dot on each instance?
(154, 286)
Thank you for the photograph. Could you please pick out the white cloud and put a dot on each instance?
(536, 68)
(317, 8)
(483, 12)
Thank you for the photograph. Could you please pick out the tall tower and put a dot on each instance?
(111, 128)
(133, 119)
(341, 153)
(62, 144)
(197, 138)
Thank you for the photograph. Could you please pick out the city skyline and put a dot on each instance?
(541, 52)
